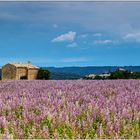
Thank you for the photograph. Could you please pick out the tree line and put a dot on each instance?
(117, 75)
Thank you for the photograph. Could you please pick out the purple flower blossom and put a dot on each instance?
(70, 109)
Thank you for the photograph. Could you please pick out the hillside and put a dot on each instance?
(78, 72)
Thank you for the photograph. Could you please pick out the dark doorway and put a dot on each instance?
(23, 77)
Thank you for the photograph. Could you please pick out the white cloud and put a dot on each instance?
(132, 37)
(104, 42)
(72, 45)
(70, 36)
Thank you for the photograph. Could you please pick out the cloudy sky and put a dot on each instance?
(70, 33)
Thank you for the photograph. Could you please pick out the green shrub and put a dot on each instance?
(43, 74)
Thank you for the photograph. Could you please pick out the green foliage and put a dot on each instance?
(37, 111)
(120, 75)
(87, 78)
(135, 75)
(69, 131)
(98, 119)
(4, 113)
(65, 131)
(18, 112)
(47, 122)
(124, 75)
(27, 129)
(97, 77)
(116, 75)
(60, 131)
(91, 133)
(43, 74)
(10, 128)
(1, 130)
(82, 130)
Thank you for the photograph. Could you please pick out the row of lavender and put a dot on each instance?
(70, 109)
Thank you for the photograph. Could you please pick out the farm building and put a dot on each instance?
(19, 71)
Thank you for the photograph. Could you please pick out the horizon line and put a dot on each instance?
(87, 66)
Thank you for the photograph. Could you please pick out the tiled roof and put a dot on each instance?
(30, 66)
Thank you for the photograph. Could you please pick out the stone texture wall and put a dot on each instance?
(32, 74)
(21, 72)
(8, 72)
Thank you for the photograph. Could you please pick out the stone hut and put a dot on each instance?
(18, 71)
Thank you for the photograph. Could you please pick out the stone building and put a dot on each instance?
(19, 71)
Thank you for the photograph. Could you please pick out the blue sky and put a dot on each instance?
(70, 33)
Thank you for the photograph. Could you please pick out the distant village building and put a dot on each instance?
(105, 75)
(18, 71)
(91, 76)
(121, 69)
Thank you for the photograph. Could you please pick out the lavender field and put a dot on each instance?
(70, 109)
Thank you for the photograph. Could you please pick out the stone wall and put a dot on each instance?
(21, 72)
(11, 72)
(8, 72)
(32, 74)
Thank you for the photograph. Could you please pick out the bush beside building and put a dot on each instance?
(43, 74)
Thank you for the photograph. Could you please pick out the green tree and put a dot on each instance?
(135, 75)
(97, 77)
(43, 74)
(120, 75)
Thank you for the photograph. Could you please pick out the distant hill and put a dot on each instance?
(78, 72)
(64, 76)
